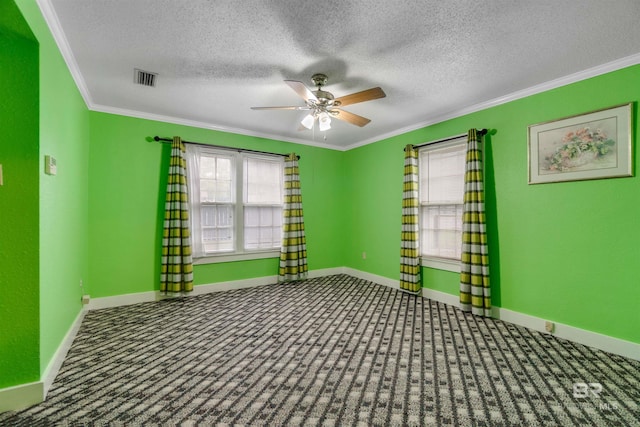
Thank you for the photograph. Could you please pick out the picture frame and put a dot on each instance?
(592, 145)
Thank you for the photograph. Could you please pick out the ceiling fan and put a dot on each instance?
(322, 105)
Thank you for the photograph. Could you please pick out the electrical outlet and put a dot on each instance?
(364, 255)
(549, 326)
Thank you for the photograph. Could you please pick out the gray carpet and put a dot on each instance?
(332, 351)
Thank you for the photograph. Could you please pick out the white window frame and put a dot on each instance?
(239, 253)
(431, 261)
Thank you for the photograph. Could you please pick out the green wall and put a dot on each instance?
(126, 201)
(558, 251)
(64, 132)
(563, 252)
(19, 333)
(63, 207)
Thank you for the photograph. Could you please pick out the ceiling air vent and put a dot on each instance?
(144, 78)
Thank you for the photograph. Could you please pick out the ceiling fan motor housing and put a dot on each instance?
(325, 99)
(319, 80)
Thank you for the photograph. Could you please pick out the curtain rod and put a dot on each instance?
(451, 138)
(157, 138)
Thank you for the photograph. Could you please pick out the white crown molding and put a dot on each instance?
(51, 18)
(204, 125)
(543, 87)
(56, 29)
(615, 65)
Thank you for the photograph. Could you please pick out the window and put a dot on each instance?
(441, 170)
(236, 202)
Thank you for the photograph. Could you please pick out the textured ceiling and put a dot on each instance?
(434, 59)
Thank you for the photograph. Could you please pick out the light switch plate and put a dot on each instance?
(50, 165)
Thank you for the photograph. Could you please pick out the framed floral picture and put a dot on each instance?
(588, 146)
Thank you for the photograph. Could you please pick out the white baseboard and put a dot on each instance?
(231, 285)
(326, 272)
(54, 365)
(150, 296)
(21, 396)
(442, 297)
(120, 300)
(581, 336)
(381, 280)
(24, 395)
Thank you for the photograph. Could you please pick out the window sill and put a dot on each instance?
(213, 259)
(446, 264)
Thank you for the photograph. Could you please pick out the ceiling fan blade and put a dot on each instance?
(365, 95)
(281, 108)
(354, 119)
(301, 90)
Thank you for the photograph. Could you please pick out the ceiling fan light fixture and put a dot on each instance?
(323, 105)
(308, 121)
(324, 121)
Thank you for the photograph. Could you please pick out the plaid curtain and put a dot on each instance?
(176, 274)
(475, 292)
(409, 254)
(293, 254)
